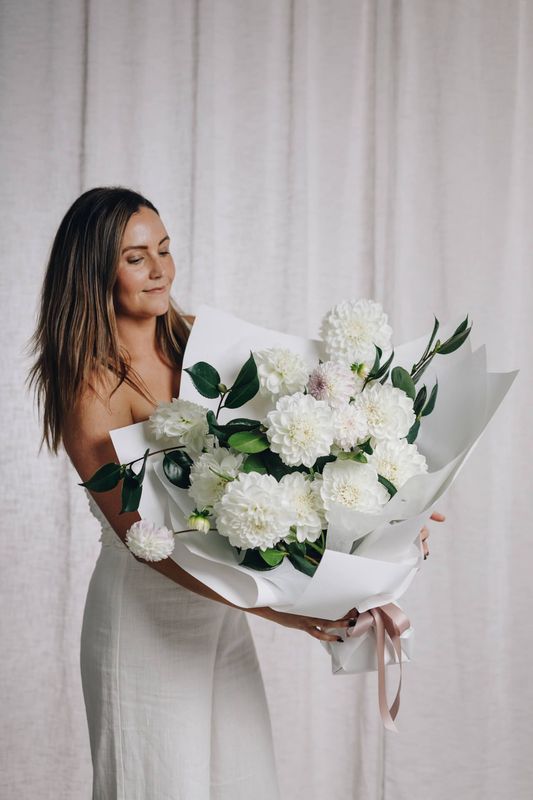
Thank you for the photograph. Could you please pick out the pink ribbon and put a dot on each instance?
(386, 620)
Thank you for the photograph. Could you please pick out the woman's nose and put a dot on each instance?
(158, 267)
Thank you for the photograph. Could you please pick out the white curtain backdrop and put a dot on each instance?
(299, 151)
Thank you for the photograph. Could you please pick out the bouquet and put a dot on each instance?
(312, 502)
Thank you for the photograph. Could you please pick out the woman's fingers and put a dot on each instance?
(333, 623)
(424, 536)
(325, 637)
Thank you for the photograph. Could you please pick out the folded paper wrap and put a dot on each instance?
(370, 560)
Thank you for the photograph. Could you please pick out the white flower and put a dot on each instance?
(184, 420)
(397, 460)
(333, 382)
(210, 473)
(305, 501)
(354, 486)
(147, 541)
(389, 411)
(280, 371)
(300, 429)
(351, 329)
(199, 521)
(349, 426)
(253, 511)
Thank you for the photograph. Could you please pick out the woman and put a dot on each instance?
(173, 691)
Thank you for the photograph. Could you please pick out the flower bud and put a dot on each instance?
(199, 521)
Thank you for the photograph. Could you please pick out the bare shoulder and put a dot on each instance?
(86, 426)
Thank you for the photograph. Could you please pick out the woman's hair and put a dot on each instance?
(76, 337)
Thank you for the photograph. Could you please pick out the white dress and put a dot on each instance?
(175, 701)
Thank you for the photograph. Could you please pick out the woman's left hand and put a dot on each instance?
(424, 533)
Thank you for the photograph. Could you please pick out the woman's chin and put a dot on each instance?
(157, 306)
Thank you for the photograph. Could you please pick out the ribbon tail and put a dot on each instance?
(387, 718)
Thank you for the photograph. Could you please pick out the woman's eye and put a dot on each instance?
(134, 260)
(165, 253)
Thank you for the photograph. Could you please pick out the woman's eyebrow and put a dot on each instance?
(143, 246)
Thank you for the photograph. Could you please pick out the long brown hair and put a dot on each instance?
(76, 334)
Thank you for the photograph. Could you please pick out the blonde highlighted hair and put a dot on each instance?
(76, 335)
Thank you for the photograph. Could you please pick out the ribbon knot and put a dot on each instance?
(387, 620)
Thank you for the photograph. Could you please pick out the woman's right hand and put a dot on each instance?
(314, 626)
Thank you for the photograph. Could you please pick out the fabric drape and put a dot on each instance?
(299, 152)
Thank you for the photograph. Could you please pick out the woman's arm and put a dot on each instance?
(88, 444)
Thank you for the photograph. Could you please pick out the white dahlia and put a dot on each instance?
(397, 461)
(333, 382)
(280, 371)
(352, 485)
(300, 429)
(349, 426)
(305, 501)
(351, 329)
(210, 474)
(253, 511)
(388, 411)
(146, 540)
(184, 420)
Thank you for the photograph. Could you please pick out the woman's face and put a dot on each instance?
(145, 269)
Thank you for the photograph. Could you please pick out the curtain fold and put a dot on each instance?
(299, 152)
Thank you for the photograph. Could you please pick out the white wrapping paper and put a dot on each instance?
(369, 560)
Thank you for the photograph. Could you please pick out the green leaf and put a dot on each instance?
(402, 380)
(321, 462)
(297, 548)
(388, 485)
(375, 365)
(462, 327)
(248, 442)
(420, 371)
(366, 447)
(454, 342)
(431, 338)
(239, 424)
(420, 400)
(215, 428)
(245, 387)
(105, 478)
(253, 560)
(413, 433)
(254, 463)
(272, 556)
(140, 474)
(302, 564)
(360, 457)
(223, 432)
(205, 378)
(384, 369)
(430, 405)
(131, 491)
(177, 468)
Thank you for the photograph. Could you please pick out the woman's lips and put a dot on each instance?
(156, 290)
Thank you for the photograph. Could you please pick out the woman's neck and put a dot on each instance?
(137, 336)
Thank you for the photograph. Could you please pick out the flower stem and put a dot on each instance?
(154, 453)
(316, 547)
(222, 396)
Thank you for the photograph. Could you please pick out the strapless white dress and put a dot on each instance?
(173, 691)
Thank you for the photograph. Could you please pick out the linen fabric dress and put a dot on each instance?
(173, 691)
